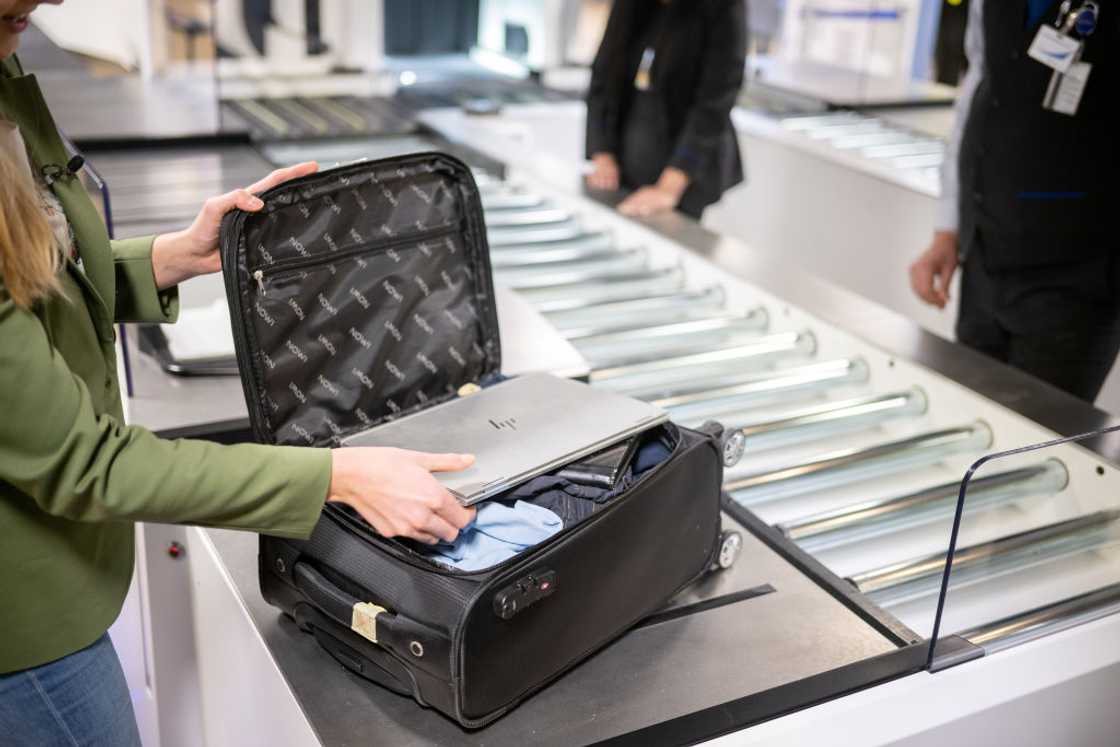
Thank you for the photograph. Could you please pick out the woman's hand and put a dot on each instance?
(659, 198)
(184, 254)
(604, 176)
(394, 491)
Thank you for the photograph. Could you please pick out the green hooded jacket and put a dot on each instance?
(73, 476)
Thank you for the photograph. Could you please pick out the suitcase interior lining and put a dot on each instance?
(364, 295)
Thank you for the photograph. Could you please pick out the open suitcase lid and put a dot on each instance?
(359, 294)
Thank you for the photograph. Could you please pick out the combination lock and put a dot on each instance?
(523, 593)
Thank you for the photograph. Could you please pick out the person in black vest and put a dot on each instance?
(659, 105)
(1027, 191)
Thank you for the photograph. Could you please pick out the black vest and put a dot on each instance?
(1037, 187)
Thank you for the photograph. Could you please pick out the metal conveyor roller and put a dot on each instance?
(1046, 620)
(755, 388)
(913, 579)
(829, 418)
(876, 518)
(642, 312)
(852, 465)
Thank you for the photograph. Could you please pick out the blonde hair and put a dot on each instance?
(29, 260)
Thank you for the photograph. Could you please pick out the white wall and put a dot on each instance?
(114, 30)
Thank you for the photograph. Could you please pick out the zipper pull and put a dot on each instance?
(258, 275)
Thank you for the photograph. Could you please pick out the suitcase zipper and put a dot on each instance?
(297, 263)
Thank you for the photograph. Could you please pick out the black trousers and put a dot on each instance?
(1059, 323)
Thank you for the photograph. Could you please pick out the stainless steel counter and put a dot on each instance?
(693, 664)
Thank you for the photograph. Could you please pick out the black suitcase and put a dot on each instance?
(362, 293)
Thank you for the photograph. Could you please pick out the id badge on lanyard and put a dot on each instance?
(1059, 47)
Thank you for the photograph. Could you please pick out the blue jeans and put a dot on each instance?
(81, 699)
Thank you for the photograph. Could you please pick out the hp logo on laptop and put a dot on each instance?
(509, 424)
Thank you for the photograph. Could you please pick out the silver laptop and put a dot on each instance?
(517, 430)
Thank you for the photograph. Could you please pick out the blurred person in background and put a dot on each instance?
(663, 84)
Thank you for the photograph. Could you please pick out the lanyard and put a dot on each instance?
(1082, 20)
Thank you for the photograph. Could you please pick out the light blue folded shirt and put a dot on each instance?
(498, 532)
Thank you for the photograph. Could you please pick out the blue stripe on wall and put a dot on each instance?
(1053, 195)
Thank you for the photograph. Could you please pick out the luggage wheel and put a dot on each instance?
(730, 545)
(734, 444)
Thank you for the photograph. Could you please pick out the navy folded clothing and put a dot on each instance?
(574, 501)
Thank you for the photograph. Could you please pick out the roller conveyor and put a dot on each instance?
(550, 257)
(510, 200)
(829, 418)
(655, 343)
(851, 142)
(598, 243)
(881, 517)
(913, 579)
(509, 218)
(917, 148)
(520, 235)
(631, 264)
(852, 465)
(707, 371)
(752, 320)
(653, 283)
(873, 139)
(283, 118)
(623, 315)
(762, 388)
(1045, 620)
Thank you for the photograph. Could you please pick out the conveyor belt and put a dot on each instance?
(464, 90)
(269, 119)
(288, 118)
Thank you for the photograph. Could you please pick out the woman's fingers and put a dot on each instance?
(282, 175)
(246, 199)
(216, 207)
(441, 462)
(455, 513)
(425, 537)
(439, 527)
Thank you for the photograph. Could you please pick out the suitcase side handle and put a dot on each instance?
(404, 637)
(342, 607)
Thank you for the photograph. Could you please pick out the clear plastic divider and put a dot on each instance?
(1034, 549)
